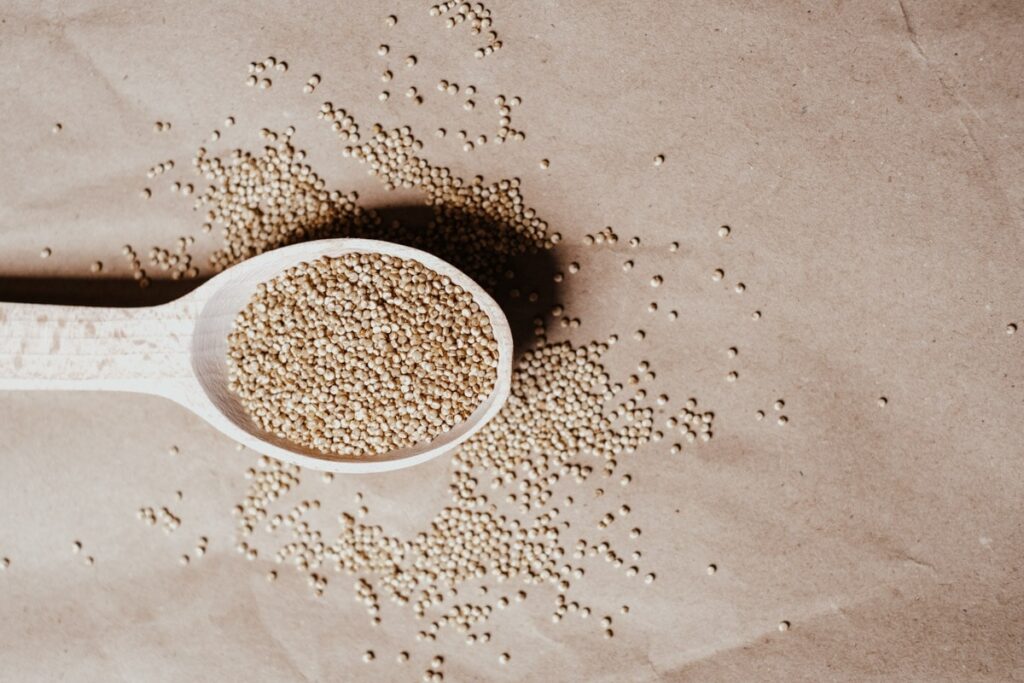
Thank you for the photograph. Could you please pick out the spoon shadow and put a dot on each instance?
(533, 269)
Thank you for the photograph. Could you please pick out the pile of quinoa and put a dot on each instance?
(361, 355)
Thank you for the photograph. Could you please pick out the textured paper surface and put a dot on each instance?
(868, 159)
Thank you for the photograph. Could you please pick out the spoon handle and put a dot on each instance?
(79, 347)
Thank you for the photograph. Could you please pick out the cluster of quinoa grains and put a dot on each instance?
(691, 424)
(268, 200)
(511, 516)
(478, 17)
(77, 549)
(476, 225)
(311, 84)
(135, 265)
(505, 130)
(260, 72)
(168, 520)
(342, 123)
(782, 420)
(340, 356)
(606, 235)
(361, 354)
(259, 201)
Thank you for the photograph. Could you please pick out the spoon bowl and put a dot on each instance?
(179, 351)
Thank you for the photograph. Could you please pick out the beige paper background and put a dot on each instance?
(868, 158)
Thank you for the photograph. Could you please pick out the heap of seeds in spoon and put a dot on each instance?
(361, 354)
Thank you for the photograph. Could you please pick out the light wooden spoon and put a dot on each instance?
(179, 351)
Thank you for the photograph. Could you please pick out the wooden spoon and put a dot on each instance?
(179, 351)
